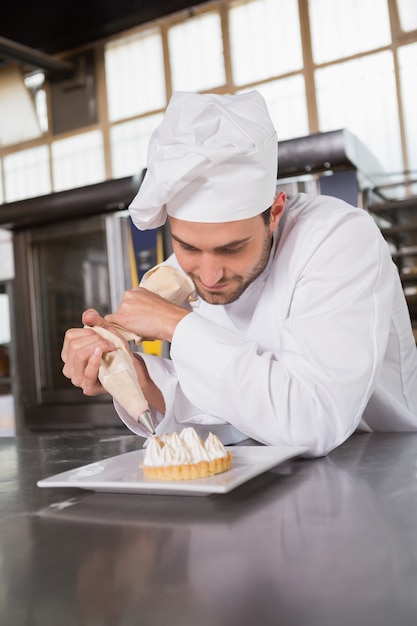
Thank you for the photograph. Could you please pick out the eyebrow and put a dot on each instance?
(229, 244)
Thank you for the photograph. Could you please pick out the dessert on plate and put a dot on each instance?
(185, 456)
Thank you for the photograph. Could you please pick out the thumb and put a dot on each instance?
(91, 317)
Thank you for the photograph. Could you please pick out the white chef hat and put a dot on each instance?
(212, 159)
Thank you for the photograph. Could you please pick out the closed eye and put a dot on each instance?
(231, 250)
(233, 247)
(187, 248)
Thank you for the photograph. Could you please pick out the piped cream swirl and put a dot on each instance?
(183, 448)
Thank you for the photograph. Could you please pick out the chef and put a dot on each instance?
(300, 333)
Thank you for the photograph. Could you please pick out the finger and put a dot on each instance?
(84, 371)
(91, 317)
(91, 383)
(75, 355)
(75, 338)
(78, 353)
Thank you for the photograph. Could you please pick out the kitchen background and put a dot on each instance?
(81, 89)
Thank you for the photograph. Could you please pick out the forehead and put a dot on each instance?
(204, 234)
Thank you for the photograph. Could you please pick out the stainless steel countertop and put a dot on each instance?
(321, 542)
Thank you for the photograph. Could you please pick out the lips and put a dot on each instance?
(218, 287)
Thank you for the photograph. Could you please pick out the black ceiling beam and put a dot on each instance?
(12, 51)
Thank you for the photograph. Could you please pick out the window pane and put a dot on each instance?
(408, 14)
(129, 145)
(360, 95)
(78, 161)
(135, 75)
(196, 53)
(287, 105)
(339, 29)
(407, 56)
(27, 174)
(264, 39)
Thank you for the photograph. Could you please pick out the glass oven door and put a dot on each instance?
(63, 269)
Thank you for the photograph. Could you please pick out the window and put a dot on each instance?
(26, 174)
(407, 10)
(360, 95)
(287, 105)
(264, 39)
(341, 29)
(129, 145)
(78, 160)
(196, 53)
(135, 75)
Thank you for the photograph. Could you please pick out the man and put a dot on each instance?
(302, 333)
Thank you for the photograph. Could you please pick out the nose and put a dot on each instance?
(210, 271)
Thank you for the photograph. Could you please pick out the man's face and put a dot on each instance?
(222, 259)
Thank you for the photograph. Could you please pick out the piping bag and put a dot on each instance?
(116, 372)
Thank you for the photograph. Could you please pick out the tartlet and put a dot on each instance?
(185, 456)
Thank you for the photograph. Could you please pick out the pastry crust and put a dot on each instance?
(190, 471)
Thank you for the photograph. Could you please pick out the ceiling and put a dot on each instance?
(55, 26)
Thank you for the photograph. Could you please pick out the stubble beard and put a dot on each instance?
(242, 283)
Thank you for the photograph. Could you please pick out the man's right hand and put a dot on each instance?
(82, 351)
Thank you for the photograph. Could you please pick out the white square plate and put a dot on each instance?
(122, 473)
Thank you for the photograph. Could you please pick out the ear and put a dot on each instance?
(277, 210)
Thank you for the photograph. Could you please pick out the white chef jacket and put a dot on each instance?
(320, 344)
